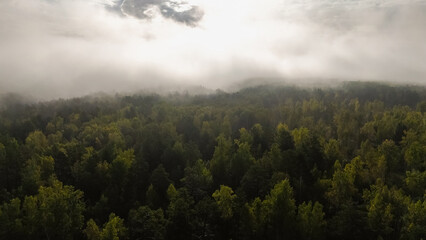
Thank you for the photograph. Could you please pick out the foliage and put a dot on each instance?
(267, 162)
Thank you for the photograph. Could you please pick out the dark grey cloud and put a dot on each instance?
(179, 11)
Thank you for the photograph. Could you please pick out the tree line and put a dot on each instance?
(266, 162)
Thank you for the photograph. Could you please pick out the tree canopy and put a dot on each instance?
(267, 162)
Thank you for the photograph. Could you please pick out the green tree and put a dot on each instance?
(415, 156)
(415, 221)
(301, 137)
(394, 163)
(36, 142)
(348, 123)
(259, 142)
(225, 200)
(283, 137)
(160, 182)
(254, 219)
(90, 175)
(241, 162)
(11, 222)
(37, 171)
(152, 197)
(121, 165)
(114, 229)
(92, 230)
(59, 211)
(180, 215)
(280, 209)
(198, 180)
(245, 136)
(171, 192)
(342, 186)
(204, 220)
(416, 183)
(311, 220)
(145, 223)
(386, 207)
(220, 163)
(56, 212)
(256, 181)
(10, 164)
(332, 153)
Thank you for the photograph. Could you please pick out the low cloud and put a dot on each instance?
(62, 48)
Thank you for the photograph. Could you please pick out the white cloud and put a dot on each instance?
(67, 48)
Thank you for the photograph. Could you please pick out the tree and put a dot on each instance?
(386, 207)
(11, 223)
(415, 156)
(311, 220)
(171, 192)
(283, 137)
(121, 165)
(114, 229)
(119, 172)
(87, 175)
(349, 222)
(348, 126)
(204, 221)
(36, 142)
(416, 183)
(332, 153)
(256, 181)
(31, 177)
(37, 171)
(342, 186)
(220, 163)
(245, 136)
(241, 162)
(254, 220)
(259, 142)
(174, 160)
(92, 230)
(59, 211)
(415, 221)
(198, 180)
(152, 197)
(10, 164)
(394, 163)
(225, 198)
(56, 212)
(160, 182)
(280, 210)
(145, 223)
(180, 215)
(301, 137)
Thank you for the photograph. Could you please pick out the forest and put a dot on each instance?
(265, 162)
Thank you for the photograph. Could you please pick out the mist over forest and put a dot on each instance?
(61, 48)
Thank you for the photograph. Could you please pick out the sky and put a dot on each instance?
(67, 48)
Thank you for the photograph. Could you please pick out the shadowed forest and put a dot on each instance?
(266, 162)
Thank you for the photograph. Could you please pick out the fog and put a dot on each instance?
(65, 48)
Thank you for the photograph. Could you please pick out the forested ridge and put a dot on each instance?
(266, 162)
